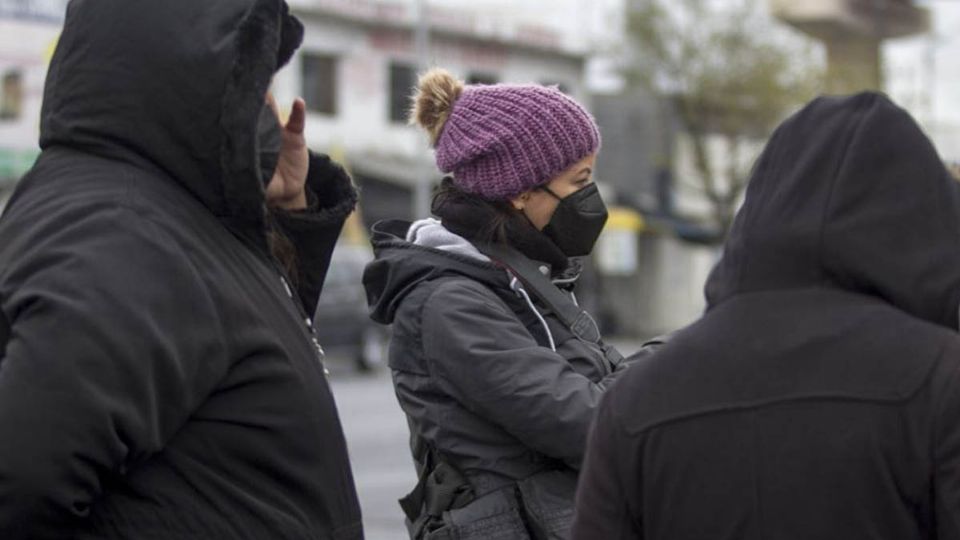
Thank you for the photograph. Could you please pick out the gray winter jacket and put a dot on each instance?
(490, 381)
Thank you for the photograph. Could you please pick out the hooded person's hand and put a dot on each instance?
(286, 189)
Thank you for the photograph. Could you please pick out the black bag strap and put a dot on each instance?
(570, 314)
(413, 502)
(439, 488)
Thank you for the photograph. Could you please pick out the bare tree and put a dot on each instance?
(723, 73)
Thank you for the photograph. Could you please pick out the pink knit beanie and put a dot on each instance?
(501, 140)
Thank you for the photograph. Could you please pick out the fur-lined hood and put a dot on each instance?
(174, 86)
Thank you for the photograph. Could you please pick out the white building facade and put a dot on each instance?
(358, 67)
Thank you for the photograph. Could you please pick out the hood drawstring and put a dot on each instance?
(516, 287)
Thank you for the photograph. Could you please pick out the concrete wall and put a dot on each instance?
(666, 292)
(637, 144)
(671, 290)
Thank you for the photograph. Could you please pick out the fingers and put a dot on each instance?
(298, 117)
(297, 121)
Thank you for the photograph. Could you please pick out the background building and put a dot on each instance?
(28, 34)
(358, 67)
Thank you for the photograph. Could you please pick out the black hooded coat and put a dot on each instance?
(157, 377)
(818, 397)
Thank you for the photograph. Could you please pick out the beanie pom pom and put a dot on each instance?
(437, 91)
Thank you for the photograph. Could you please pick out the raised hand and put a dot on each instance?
(286, 189)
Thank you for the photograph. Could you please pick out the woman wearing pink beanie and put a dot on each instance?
(496, 367)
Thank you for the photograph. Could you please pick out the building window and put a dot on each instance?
(403, 82)
(482, 78)
(11, 95)
(320, 83)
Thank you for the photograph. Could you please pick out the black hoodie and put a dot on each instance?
(817, 397)
(157, 377)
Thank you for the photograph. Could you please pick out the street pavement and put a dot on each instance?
(377, 437)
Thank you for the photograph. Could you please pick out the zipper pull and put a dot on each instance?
(309, 323)
(286, 286)
(321, 355)
(319, 348)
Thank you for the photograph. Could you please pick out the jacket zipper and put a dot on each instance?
(285, 282)
(321, 355)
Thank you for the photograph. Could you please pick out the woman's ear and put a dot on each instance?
(520, 200)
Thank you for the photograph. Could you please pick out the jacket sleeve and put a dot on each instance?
(644, 352)
(603, 508)
(114, 341)
(947, 459)
(331, 198)
(489, 362)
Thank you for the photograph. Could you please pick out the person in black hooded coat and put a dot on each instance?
(159, 378)
(818, 397)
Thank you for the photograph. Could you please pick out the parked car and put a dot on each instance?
(342, 320)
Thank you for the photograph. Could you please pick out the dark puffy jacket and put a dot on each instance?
(157, 377)
(819, 397)
(476, 375)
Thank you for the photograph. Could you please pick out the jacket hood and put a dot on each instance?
(430, 232)
(400, 265)
(175, 86)
(849, 193)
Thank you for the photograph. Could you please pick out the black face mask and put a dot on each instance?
(577, 222)
(269, 140)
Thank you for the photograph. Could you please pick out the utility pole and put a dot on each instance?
(421, 198)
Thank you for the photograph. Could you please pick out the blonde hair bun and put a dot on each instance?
(437, 91)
